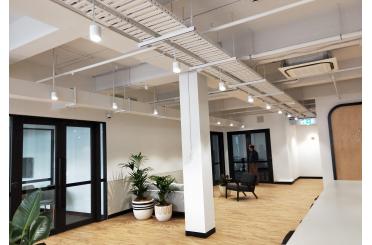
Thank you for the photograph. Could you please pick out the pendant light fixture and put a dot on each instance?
(95, 32)
(176, 66)
(155, 112)
(221, 84)
(53, 94)
(250, 99)
(114, 104)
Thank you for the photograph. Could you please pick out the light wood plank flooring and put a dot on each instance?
(249, 221)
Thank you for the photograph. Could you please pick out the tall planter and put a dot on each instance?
(143, 209)
(138, 177)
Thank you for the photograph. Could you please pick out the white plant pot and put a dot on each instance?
(163, 213)
(143, 209)
(223, 190)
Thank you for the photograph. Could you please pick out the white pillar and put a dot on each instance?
(196, 155)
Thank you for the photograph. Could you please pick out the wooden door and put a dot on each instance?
(346, 138)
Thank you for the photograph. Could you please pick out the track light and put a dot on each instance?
(95, 32)
(53, 96)
(176, 67)
(268, 107)
(114, 106)
(221, 86)
(280, 112)
(218, 123)
(155, 112)
(250, 99)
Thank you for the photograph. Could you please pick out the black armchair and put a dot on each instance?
(244, 182)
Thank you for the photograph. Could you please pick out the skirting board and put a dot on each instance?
(119, 213)
(200, 234)
(301, 177)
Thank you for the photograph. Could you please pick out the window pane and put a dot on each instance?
(38, 156)
(78, 203)
(78, 154)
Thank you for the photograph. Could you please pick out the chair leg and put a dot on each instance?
(244, 193)
(255, 195)
(237, 196)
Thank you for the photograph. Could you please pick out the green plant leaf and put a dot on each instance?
(27, 212)
(15, 234)
(40, 229)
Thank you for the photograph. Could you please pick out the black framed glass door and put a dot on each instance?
(65, 159)
(218, 156)
(238, 143)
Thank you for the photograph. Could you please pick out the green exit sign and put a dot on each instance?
(307, 121)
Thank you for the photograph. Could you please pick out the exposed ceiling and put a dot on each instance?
(134, 20)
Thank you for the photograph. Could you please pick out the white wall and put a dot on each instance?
(307, 151)
(323, 106)
(158, 139)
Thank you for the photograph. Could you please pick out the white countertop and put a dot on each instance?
(335, 218)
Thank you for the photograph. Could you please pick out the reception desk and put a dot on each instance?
(335, 218)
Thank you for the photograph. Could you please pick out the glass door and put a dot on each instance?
(78, 191)
(65, 160)
(218, 156)
(261, 142)
(238, 143)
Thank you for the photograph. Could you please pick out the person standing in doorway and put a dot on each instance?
(252, 161)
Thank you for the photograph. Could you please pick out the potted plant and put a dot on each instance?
(163, 209)
(28, 226)
(143, 207)
(222, 186)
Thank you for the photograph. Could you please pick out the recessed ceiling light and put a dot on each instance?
(296, 118)
(155, 112)
(268, 106)
(289, 115)
(231, 125)
(280, 112)
(218, 123)
(242, 126)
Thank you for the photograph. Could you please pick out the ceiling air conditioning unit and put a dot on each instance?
(311, 65)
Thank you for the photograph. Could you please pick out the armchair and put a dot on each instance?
(244, 182)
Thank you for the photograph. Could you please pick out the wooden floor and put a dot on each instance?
(249, 221)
